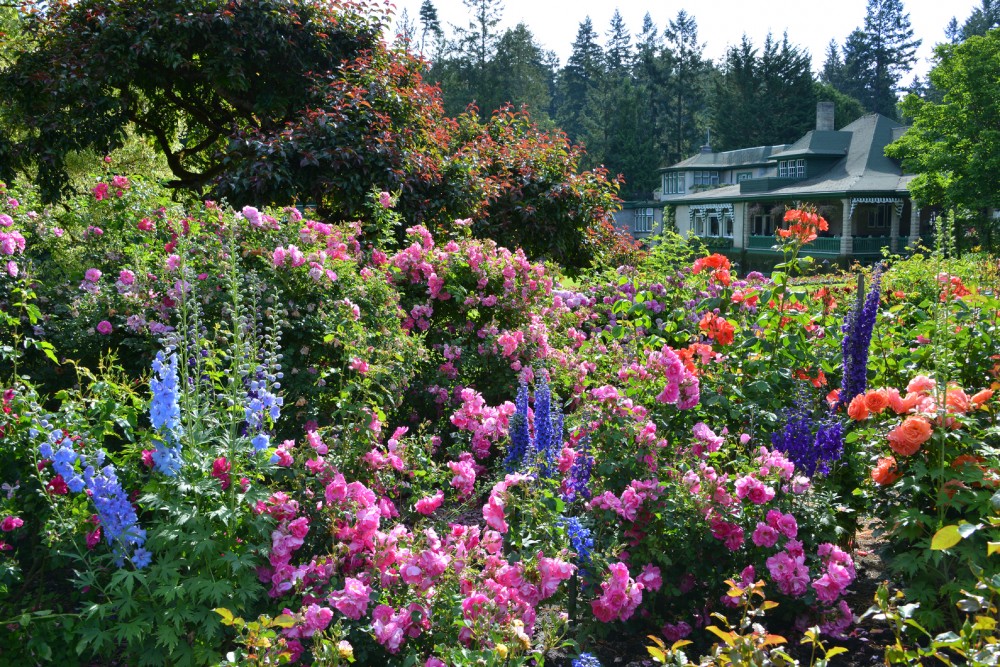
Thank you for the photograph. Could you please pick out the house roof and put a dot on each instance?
(818, 143)
(864, 169)
(743, 157)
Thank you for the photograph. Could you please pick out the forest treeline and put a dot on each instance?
(651, 97)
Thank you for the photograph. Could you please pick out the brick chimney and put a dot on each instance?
(824, 116)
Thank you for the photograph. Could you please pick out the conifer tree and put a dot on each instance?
(686, 95)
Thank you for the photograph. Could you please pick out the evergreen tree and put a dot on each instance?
(877, 55)
(618, 52)
(982, 20)
(639, 170)
(578, 81)
(406, 29)
(833, 67)
(612, 105)
(430, 25)
(520, 75)
(766, 99)
(475, 47)
(686, 82)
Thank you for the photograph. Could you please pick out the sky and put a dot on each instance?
(810, 23)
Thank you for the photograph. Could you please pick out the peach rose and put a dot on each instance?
(906, 438)
(958, 401)
(895, 400)
(857, 410)
(885, 472)
(981, 397)
(921, 385)
(876, 401)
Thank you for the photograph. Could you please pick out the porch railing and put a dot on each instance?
(829, 245)
(871, 245)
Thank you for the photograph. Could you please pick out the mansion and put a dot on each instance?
(734, 200)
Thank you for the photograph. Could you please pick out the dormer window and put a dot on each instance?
(792, 168)
(673, 183)
(703, 178)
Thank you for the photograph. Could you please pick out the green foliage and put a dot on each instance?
(190, 77)
(765, 99)
(952, 145)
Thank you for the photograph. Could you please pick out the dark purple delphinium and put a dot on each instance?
(857, 328)
(829, 445)
(812, 446)
(520, 437)
(541, 447)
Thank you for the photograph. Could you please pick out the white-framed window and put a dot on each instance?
(699, 224)
(743, 176)
(800, 168)
(783, 169)
(673, 183)
(643, 221)
(763, 225)
(706, 178)
(714, 227)
(727, 225)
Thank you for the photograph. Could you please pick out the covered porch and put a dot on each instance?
(862, 227)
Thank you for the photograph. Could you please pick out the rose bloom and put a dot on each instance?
(104, 327)
(981, 397)
(858, 410)
(885, 472)
(876, 401)
(906, 438)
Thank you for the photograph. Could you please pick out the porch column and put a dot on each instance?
(914, 224)
(894, 230)
(745, 231)
(846, 230)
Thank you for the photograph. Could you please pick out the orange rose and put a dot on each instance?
(876, 401)
(981, 397)
(857, 410)
(885, 473)
(906, 438)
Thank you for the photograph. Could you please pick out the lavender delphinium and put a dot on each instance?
(578, 479)
(857, 329)
(115, 513)
(581, 540)
(165, 414)
(262, 403)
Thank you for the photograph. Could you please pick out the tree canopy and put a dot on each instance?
(954, 143)
(188, 75)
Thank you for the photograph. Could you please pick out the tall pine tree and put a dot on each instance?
(578, 81)
(686, 87)
(877, 56)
